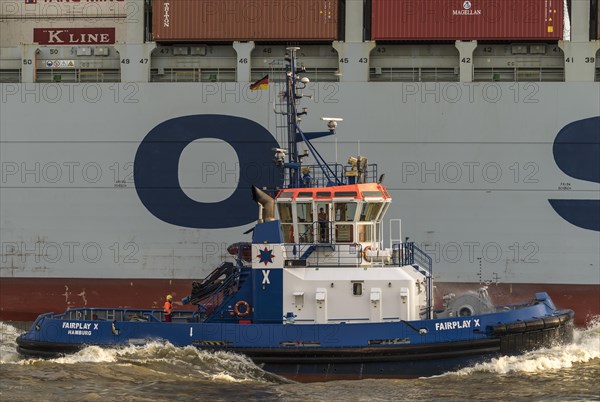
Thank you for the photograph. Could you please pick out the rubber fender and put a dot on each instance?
(499, 329)
(534, 325)
(564, 318)
(551, 322)
(518, 326)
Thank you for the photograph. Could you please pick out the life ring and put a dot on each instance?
(236, 308)
(364, 253)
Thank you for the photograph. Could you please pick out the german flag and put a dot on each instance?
(263, 83)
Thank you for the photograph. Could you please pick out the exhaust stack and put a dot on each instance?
(266, 210)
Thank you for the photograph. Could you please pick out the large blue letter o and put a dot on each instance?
(157, 164)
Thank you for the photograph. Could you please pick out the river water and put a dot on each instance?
(161, 372)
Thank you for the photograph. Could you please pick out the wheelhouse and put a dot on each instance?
(350, 214)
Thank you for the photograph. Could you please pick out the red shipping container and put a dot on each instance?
(467, 20)
(258, 20)
(598, 22)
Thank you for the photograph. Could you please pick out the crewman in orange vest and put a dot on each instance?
(168, 308)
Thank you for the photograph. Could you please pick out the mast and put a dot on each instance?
(292, 94)
(291, 78)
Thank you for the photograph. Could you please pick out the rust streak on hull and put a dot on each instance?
(23, 299)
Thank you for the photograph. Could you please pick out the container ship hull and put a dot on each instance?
(117, 194)
(28, 296)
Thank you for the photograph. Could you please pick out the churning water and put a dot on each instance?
(162, 372)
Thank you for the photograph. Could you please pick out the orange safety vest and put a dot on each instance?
(168, 306)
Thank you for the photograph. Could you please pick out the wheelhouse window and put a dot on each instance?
(287, 230)
(323, 219)
(365, 233)
(286, 218)
(344, 233)
(285, 212)
(370, 211)
(304, 212)
(345, 211)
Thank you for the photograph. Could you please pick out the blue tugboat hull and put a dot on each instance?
(311, 352)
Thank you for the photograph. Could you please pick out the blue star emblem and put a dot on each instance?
(265, 256)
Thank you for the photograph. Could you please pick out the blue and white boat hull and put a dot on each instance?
(309, 352)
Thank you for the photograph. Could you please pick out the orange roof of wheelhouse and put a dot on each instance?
(356, 191)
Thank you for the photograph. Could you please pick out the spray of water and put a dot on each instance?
(156, 357)
(585, 347)
(8, 344)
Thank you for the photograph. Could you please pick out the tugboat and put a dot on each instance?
(317, 295)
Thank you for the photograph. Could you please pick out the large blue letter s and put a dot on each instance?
(577, 153)
(156, 170)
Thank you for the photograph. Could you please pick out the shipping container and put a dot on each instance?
(62, 32)
(467, 19)
(59, 9)
(244, 20)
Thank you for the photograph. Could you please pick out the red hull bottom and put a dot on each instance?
(23, 299)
